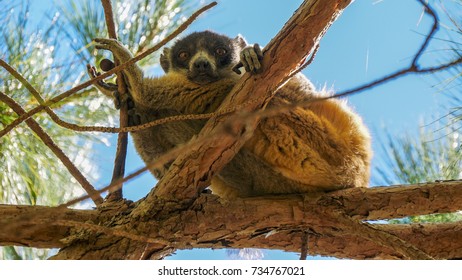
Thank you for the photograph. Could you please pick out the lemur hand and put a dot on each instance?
(250, 58)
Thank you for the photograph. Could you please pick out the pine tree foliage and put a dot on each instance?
(51, 54)
(435, 153)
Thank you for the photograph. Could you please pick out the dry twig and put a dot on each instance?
(116, 69)
(46, 139)
(122, 140)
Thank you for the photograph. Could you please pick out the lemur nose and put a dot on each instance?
(201, 65)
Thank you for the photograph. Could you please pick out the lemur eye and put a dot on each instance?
(220, 51)
(183, 55)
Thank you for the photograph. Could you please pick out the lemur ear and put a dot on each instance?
(165, 60)
(240, 41)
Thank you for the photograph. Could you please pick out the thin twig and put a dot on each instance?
(435, 26)
(304, 246)
(413, 67)
(122, 139)
(48, 141)
(116, 69)
(34, 93)
(157, 163)
(267, 112)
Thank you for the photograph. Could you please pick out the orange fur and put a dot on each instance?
(322, 147)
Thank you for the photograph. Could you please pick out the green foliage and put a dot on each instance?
(423, 158)
(14, 253)
(140, 24)
(434, 218)
(436, 152)
(52, 55)
(410, 160)
(32, 173)
(450, 86)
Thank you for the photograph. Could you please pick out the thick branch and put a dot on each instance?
(19, 226)
(442, 241)
(398, 201)
(275, 222)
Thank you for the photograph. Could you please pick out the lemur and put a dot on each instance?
(323, 146)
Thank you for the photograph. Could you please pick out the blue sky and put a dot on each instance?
(370, 39)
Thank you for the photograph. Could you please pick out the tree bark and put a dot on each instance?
(275, 222)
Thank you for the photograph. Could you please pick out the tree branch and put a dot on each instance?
(122, 140)
(398, 201)
(19, 228)
(46, 139)
(272, 222)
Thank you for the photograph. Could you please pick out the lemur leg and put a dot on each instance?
(110, 89)
(222, 189)
(133, 72)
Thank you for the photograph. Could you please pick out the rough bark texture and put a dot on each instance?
(175, 215)
(275, 222)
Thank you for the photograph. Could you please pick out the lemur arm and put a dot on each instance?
(132, 73)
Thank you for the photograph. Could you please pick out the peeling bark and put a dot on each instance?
(382, 202)
(275, 222)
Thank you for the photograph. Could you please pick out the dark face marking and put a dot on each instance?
(203, 55)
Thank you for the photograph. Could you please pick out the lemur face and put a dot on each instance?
(204, 57)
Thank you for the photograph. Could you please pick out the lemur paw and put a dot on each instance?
(106, 88)
(109, 89)
(117, 49)
(134, 118)
(250, 58)
(118, 100)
